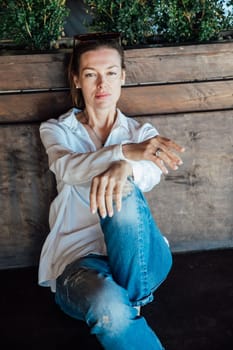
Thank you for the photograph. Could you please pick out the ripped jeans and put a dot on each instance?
(104, 290)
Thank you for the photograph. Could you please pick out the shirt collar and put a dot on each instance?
(69, 119)
(121, 120)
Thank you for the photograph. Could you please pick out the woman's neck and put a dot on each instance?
(99, 125)
(100, 120)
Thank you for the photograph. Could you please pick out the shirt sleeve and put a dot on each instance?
(70, 166)
(146, 174)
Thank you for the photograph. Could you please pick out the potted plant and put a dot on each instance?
(33, 24)
(31, 59)
(166, 21)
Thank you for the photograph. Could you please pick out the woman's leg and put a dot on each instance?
(139, 256)
(86, 291)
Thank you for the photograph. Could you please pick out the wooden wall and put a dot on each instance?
(185, 91)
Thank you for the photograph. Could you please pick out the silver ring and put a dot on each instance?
(158, 151)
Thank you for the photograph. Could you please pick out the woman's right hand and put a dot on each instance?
(108, 186)
(158, 149)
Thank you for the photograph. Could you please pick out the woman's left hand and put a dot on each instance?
(160, 150)
(107, 185)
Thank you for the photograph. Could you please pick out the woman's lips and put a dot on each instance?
(102, 95)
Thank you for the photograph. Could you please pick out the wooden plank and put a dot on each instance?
(33, 106)
(177, 98)
(26, 190)
(157, 99)
(158, 64)
(179, 63)
(193, 206)
(35, 71)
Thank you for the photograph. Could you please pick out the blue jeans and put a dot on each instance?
(103, 290)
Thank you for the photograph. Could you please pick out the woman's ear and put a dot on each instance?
(76, 81)
(123, 77)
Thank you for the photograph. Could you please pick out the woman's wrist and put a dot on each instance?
(126, 150)
(127, 167)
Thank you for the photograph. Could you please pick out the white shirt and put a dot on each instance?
(74, 159)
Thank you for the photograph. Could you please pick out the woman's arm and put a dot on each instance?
(74, 167)
(141, 153)
(111, 182)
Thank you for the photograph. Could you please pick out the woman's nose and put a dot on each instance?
(101, 80)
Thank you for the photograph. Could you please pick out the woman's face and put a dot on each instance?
(100, 78)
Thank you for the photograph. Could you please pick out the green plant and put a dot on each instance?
(172, 20)
(188, 20)
(130, 17)
(33, 24)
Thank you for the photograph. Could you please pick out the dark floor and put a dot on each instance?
(193, 309)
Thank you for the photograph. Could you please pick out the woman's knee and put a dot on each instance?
(133, 208)
(109, 314)
(109, 308)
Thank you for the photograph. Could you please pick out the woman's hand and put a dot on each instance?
(158, 149)
(109, 185)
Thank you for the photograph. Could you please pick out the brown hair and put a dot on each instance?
(90, 42)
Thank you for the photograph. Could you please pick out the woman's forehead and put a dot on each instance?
(103, 56)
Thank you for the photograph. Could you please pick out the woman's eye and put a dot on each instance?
(89, 75)
(112, 75)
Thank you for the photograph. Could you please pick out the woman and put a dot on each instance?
(104, 256)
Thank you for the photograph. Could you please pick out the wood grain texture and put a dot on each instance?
(160, 64)
(36, 71)
(193, 205)
(179, 63)
(177, 98)
(26, 190)
(33, 107)
(141, 100)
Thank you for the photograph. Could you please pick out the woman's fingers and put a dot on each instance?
(169, 158)
(164, 151)
(160, 163)
(170, 144)
(109, 198)
(117, 196)
(97, 196)
(93, 192)
(168, 147)
(102, 197)
(106, 188)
